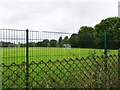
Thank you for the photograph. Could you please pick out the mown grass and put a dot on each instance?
(18, 55)
(58, 67)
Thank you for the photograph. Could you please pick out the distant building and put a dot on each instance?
(119, 9)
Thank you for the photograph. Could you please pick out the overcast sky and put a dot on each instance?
(55, 15)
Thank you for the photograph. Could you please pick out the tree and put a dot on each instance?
(86, 36)
(39, 44)
(22, 44)
(60, 42)
(110, 25)
(53, 43)
(74, 40)
(66, 40)
(32, 44)
(7, 44)
(45, 43)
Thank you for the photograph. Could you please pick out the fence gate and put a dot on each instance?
(34, 59)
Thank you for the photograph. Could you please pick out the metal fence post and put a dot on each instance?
(119, 68)
(27, 56)
(1, 61)
(105, 50)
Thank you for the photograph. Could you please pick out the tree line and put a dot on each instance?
(87, 37)
(93, 37)
(48, 43)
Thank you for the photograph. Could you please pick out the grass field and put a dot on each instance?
(18, 55)
(48, 68)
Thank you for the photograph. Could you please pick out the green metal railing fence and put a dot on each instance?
(30, 59)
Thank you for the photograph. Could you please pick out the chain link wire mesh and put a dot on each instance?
(51, 65)
(73, 73)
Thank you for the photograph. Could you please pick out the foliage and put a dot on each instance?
(112, 27)
(53, 43)
(86, 36)
(45, 42)
(74, 40)
(66, 40)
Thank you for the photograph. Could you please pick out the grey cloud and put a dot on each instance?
(60, 16)
(16, 12)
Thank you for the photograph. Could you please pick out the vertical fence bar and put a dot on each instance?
(1, 55)
(105, 50)
(27, 56)
(105, 43)
(119, 68)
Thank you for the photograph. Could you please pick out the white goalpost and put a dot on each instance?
(67, 46)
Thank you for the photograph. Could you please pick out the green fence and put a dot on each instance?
(87, 72)
(30, 59)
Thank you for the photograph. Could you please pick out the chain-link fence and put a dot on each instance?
(34, 59)
(73, 73)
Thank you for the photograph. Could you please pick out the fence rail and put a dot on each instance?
(34, 59)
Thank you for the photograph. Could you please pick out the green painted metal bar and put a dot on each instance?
(105, 50)
(27, 56)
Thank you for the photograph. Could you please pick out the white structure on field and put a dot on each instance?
(67, 46)
(119, 9)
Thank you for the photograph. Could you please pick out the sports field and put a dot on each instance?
(48, 68)
(36, 54)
